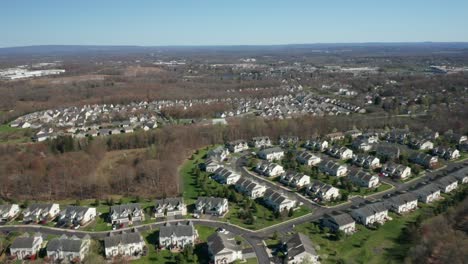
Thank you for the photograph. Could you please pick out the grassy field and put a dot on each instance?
(191, 190)
(264, 216)
(366, 245)
(14, 135)
(167, 257)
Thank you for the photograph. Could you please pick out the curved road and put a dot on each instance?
(253, 237)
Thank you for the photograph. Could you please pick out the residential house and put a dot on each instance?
(299, 248)
(427, 193)
(362, 143)
(423, 159)
(353, 133)
(211, 165)
(421, 144)
(68, 249)
(26, 246)
(36, 213)
(211, 205)
(76, 215)
(288, 140)
(322, 191)
(269, 169)
(447, 184)
(446, 153)
(402, 203)
(332, 168)
(225, 176)
(170, 207)
(260, 142)
(126, 213)
(366, 161)
(339, 222)
(8, 212)
(223, 248)
(363, 179)
(455, 138)
(307, 158)
(219, 153)
(316, 144)
(371, 213)
(237, 145)
(335, 136)
(270, 154)
(340, 152)
(398, 136)
(277, 201)
(396, 171)
(129, 245)
(461, 175)
(295, 179)
(387, 151)
(177, 235)
(250, 188)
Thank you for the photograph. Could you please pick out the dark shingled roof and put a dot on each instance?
(219, 241)
(24, 241)
(340, 219)
(178, 230)
(67, 244)
(298, 244)
(125, 238)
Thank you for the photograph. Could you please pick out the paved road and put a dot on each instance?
(250, 236)
(239, 167)
(253, 237)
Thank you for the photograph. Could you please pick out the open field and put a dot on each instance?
(14, 135)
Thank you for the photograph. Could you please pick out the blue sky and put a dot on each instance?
(234, 22)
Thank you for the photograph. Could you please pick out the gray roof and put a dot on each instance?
(446, 181)
(125, 238)
(33, 207)
(298, 244)
(25, 241)
(120, 209)
(371, 209)
(220, 241)
(246, 184)
(340, 219)
(271, 150)
(426, 190)
(169, 201)
(67, 244)
(402, 199)
(178, 230)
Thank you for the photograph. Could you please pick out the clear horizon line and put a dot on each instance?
(233, 45)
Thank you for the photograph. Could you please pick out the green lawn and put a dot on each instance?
(264, 216)
(101, 222)
(14, 135)
(204, 232)
(191, 190)
(251, 261)
(365, 246)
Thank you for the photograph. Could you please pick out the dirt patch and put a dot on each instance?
(112, 159)
(134, 71)
(69, 79)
